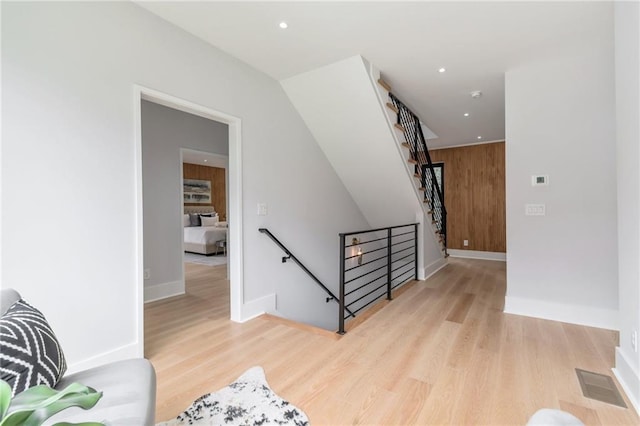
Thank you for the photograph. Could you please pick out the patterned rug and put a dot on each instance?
(205, 260)
(247, 401)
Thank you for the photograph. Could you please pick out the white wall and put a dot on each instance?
(164, 132)
(68, 182)
(560, 121)
(627, 63)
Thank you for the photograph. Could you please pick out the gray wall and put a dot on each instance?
(164, 132)
(70, 68)
(560, 121)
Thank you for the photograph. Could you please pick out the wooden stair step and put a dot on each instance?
(392, 107)
(384, 84)
(412, 161)
(300, 326)
(406, 145)
(422, 188)
(399, 127)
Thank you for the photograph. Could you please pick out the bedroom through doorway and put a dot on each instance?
(189, 176)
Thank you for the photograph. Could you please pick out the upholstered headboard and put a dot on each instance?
(198, 209)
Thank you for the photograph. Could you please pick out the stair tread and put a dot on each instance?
(399, 127)
(301, 326)
(392, 107)
(384, 84)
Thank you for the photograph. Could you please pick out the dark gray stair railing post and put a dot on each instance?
(341, 297)
(389, 264)
(416, 251)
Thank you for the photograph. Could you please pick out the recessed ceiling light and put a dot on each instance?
(466, 114)
(479, 137)
(284, 25)
(441, 70)
(206, 161)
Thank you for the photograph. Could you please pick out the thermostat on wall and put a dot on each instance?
(539, 180)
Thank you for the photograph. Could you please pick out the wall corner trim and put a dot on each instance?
(475, 254)
(574, 314)
(118, 354)
(426, 272)
(256, 307)
(628, 378)
(163, 290)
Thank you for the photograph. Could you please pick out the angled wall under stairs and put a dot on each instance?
(344, 110)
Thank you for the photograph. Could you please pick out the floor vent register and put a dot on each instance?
(599, 387)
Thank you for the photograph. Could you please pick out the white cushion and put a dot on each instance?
(185, 220)
(209, 221)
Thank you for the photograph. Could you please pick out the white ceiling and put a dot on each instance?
(408, 41)
(204, 158)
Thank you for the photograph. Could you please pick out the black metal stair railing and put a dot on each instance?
(290, 256)
(372, 268)
(423, 166)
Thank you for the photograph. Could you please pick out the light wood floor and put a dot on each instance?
(441, 353)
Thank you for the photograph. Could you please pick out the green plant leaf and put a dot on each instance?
(33, 406)
(5, 398)
(79, 424)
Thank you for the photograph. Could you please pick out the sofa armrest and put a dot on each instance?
(128, 399)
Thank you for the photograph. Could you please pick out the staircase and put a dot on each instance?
(410, 127)
(377, 146)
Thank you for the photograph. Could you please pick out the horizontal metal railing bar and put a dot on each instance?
(367, 304)
(364, 275)
(304, 268)
(370, 251)
(400, 275)
(394, 287)
(366, 263)
(404, 233)
(364, 285)
(400, 242)
(404, 249)
(364, 242)
(404, 257)
(377, 229)
(365, 295)
(400, 267)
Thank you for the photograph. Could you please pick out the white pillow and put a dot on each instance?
(209, 221)
(221, 225)
(185, 220)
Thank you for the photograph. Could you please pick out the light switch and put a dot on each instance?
(262, 209)
(535, 209)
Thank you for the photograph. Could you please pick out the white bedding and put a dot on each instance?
(204, 234)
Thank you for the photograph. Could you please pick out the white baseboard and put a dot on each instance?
(132, 350)
(256, 307)
(628, 377)
(425, 273)
(574, 314)
(162, 291)
(475, 254)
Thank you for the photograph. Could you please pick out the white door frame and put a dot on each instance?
(234, 219)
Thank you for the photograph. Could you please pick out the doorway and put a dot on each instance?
(234, 198)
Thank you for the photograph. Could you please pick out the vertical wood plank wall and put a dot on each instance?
(218, 185)
(474, 180)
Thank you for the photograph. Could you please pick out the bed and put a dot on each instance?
(207, 240)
